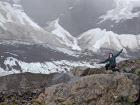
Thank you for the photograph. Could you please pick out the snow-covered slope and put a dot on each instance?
(16, 66)
(16, 25)
(62, 36)
(14, 14)
(97, 39)
(25, 45)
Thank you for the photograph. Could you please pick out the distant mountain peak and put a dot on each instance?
(63, 35)
(97, 39)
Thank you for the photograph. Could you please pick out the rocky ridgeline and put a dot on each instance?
(82, 86)
(97, 87)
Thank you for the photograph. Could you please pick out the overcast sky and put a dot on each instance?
(123, 10)
(78, 16)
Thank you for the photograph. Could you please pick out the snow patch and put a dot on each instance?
(44, 68)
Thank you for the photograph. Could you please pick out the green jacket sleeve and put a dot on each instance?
(118, 53)
(104, 61)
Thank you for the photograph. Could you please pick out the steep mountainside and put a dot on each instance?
(16, 25)
(62, 36)
(25, 45)
(97, 39)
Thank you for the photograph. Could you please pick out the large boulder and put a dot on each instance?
(97, 89)
(130, 66)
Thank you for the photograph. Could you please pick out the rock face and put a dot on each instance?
(84, 71)
(24, 89)
(130, 66)
(81, 86)
(31, 82)
(97, 89)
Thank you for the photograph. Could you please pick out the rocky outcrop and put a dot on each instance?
(96, 89)
(31, 82)
(80, 86)
(84, 71)
(24, 89)
(130, 66)
(126, 66)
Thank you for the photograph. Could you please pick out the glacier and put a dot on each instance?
(42, 68)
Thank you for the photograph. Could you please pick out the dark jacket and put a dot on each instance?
(112, 60)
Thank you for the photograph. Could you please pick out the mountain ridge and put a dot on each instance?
(53, 47)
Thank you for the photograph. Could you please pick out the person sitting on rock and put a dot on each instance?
(111, 61)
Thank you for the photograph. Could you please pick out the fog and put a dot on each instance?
(76, 16)
(46, 10)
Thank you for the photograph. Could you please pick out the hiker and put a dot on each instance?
(111, 61)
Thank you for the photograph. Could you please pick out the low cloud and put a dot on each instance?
(123, 10)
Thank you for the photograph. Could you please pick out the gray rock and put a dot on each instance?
(84, 71)
(97, 89)
(30, 81)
